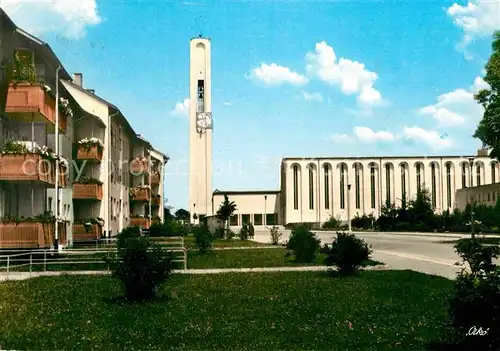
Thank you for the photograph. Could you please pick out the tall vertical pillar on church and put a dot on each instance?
(200, 130)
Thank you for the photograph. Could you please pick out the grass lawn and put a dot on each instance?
(268, 311)
(245, 258)
(189, 242)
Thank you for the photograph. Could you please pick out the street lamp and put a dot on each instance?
(471, 164)
(264, 220)
(56, 191)
(349, 207)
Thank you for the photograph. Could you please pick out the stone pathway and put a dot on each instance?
(4, 276)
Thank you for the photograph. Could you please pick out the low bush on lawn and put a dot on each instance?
(347, 253)
(169, 228)
(140, 265)
(474, 307)
(332, 224)
(303, 244)
(275, 235)
(243, 234)
(203, 239)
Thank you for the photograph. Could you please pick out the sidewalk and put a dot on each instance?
(4, 276)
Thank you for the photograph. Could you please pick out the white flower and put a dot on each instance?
(47, 88)
(92, 141)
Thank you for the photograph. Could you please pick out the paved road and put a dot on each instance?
(416, 252)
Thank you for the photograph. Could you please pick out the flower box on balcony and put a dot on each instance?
(155, 179)
(143, 223)
(87, 191)
(140, 194)
(80, 233)
(30, 167)
(92, 153)
(28, 235)
(28, 102)
(139, 166)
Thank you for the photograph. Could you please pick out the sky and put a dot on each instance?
(289, 78)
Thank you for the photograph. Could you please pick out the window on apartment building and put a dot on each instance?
(372, 186)
(311, 188)
(245, 219)
(112, 207)
(493, 172)
(419, 176)
(257, 219)
(488, 197)
(120, 207)
(433, 185)
(464, 176)
(342, 185)
(403, 183)
(388, 183)
(49, 204)
(234, 220)
(448, 184)
(295, 187)
(326, 170)
(58, 209)
(478, 174)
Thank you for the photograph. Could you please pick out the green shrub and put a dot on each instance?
(304, 244)
(219, 233)
(140, 265)
(275, 235)
(363, 222)
(243, 234)
(475, 302)
(168, 228)
(230, 234)
(251, 231)
(203, 239)
(332, 224)
(347, 253)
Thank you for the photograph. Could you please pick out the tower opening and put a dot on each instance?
(201, 95)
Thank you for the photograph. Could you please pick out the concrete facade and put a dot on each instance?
(484, 194)
(200, 142)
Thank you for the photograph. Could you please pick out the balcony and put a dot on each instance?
(156, 201)
(155, 179)
(94, 232)
(87, 191)
(31, 103)
(140, 194)
(30, 235)
(92, 153)
(139, 166)
(143, 223)
(31, 167)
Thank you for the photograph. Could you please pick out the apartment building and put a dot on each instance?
(29, 168)
(92, 171)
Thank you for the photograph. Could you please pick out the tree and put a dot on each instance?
(167, 215)
(182, 214)
(225, 212)
(488, 130)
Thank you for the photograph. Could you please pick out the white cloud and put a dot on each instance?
(351, 76)
(276, 75)
(431, 138)
(457, 107)
(479, 18)
(367, 135)
(341, 138)
(312, 96)
(227, 103)
(181, 108)
(68, 18)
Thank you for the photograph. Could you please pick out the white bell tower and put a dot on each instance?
(200, 130)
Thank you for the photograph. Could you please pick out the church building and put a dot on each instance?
(315, 189)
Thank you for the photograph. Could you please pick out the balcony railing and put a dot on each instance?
(28, 235)
(31, 167)
(87, 191)
(143, 223)
(94, 153)
(94, 232)
(155, 178)
(139, 166)
(140, 194)
(31, 103)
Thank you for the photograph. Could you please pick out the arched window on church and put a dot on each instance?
(311, 188)
(326, 169)
(403, 184)
(357, 184)
(295, 187)
(388, 183)
(464, 176)
(493, 172)
(372, 187)
(419, 176)
(433, 185)
(448, 185)
(478, 175)
(342, 186)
